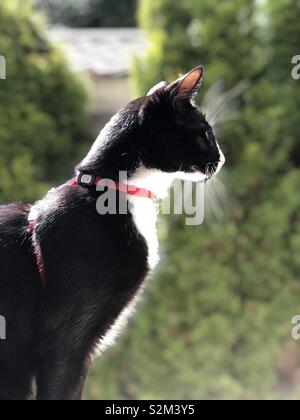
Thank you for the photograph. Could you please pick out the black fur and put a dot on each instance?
(94, 264)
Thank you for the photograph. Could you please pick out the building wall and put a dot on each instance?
(108, 95)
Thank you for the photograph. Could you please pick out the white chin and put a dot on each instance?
(193, 177)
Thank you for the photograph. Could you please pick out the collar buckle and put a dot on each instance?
(86, 179)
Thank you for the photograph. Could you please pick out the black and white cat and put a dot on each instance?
(94, 266)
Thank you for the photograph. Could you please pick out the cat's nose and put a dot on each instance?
(220, 163)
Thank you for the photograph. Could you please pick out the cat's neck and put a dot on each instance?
(113, 158)
(111, 153)
(156, 181)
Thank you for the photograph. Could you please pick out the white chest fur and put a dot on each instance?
(145, 218)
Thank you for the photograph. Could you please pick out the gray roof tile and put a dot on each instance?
(103, 52)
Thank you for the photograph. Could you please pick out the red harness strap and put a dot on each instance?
(86, 180)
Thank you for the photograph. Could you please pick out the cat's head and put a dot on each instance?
(177, 137)
(163, 133)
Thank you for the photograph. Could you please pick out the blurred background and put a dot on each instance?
(215, 322)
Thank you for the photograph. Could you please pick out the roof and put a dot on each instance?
(102, 52)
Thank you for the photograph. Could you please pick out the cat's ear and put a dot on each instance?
(157, 87)
(187, 86)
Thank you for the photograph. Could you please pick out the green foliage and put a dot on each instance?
(216, 320)
(91, 13)
(42, 108)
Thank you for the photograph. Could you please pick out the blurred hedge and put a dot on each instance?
(42, 107)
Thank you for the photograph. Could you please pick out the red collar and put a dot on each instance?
(89, 180)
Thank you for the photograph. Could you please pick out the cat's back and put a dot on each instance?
(17, 261)
(14, 237)
(13, 216)
(19, 279)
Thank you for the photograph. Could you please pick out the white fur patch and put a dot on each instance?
(156, 181)
(192, 177)
(144, 215)
(221, 161)
(160, 182)
(143, 210)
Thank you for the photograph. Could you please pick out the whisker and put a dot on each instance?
(220, 200)
(221, 106)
